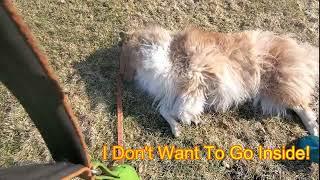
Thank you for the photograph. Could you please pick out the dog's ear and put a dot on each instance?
(127, 56)
(127, 63)
(124, 37)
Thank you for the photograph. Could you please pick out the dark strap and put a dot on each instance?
(61, 170)
(24, 70)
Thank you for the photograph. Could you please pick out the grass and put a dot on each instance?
(81, 40)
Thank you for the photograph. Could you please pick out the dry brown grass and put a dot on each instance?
(81, 36)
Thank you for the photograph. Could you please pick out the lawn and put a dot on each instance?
(81, 39)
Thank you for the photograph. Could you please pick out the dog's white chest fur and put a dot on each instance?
(154, 74)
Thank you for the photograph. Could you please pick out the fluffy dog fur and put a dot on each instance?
(193, 70)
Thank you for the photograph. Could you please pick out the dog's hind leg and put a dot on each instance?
(308, 118)
(289, 78)
(304, 112)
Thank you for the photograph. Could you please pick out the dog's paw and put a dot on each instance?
(197, 120)
(186, 118)
(176, 131)
(315, 129)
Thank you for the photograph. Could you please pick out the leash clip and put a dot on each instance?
(101, 172)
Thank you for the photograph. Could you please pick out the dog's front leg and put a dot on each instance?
(165, 113)
(188, 108)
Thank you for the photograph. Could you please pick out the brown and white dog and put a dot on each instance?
(189, 71)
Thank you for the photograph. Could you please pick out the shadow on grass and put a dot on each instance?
(248, 112)
(99, 72)
(296, 165)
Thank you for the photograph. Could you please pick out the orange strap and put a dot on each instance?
(119, 112)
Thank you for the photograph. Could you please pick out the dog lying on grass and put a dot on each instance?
(189, 71)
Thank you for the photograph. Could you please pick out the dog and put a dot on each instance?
(190, 71)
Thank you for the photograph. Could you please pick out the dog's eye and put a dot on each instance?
(122, 35)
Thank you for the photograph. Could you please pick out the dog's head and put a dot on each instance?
(132, 44)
